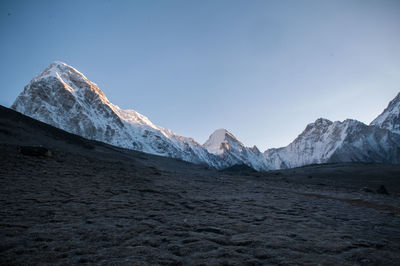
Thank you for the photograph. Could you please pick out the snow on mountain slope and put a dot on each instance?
(390, 117)
(63, 97)
(232, 151)
(326, 142)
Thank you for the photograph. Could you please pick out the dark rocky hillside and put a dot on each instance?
(91, 203)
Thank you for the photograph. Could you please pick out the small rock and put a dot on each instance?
(36, 151)
(366, 189)
(382, 190)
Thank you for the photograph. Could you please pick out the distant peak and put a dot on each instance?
(318, 124)
(218, 140)
(352, 121)
(221, 131)
(255, 149)
(390, 117)
(220, 135)
(56, 69)
(62, 66)
(323, 121)
(59, 63)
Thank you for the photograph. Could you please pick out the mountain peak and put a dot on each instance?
(318, 125)
(390, 117)
(222, 132)
(323, 122)
(59, 70)
(223, 144)
(59, 63)
(58, 87)
(255, 149)
(63, 97)
(219, 140)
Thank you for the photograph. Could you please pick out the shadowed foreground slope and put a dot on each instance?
(94, 203)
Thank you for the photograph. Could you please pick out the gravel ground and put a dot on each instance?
(71, 209)
(91, 203)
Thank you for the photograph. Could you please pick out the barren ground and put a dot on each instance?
(101, 205)
(71, 209)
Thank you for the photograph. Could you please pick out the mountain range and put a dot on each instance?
(63, 97)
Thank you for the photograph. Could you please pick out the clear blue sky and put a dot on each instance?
(261, 69)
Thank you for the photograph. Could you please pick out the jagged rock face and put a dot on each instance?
(367, 144)
(63, 97)
(223, 144)
(390, 117)
(326, 142)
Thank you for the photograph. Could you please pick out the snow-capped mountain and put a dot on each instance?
(327, 142)
(63, 97)
(223, 144)
(390, 117)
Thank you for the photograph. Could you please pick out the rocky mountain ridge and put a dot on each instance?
(390, 117)
(223, 144)
(325, 141)
(63, 97)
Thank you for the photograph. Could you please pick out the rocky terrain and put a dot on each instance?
(86, 202)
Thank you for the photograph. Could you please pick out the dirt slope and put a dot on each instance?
(93, 203)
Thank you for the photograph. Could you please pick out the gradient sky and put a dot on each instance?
(261, 69)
